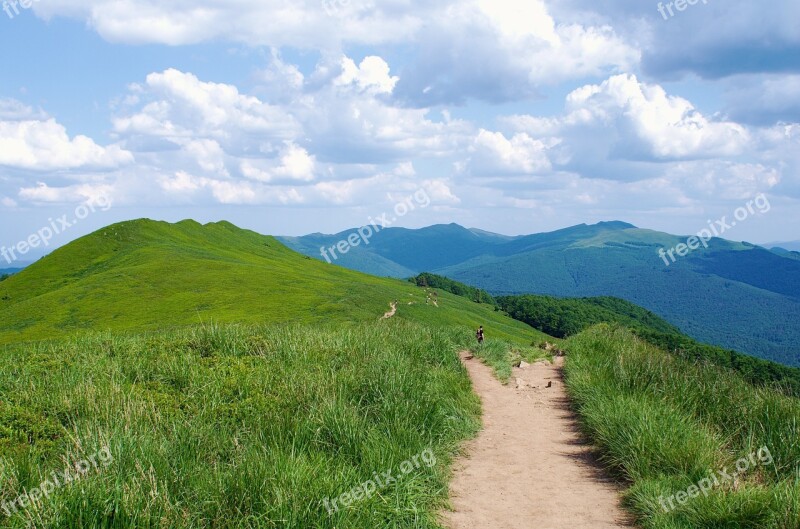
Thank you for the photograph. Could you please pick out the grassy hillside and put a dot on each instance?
(761, 308)
(146, 275)
(567, 317)
(289, 419)
(759, 289)
(231, 427)
(454, 287)
(698, 446)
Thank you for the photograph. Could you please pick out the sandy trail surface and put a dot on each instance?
(391, 312)
(529, 468)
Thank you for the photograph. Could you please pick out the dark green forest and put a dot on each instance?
(562, 318)
(565, 317)
(477, 295)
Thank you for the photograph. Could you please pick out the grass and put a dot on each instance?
(147, 276)
(296, 394)
(663, 424)
(236, 426)
(501, 356)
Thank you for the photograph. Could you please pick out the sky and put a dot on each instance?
(293, 117)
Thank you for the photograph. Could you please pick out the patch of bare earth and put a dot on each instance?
(529, 468)
(392, 312)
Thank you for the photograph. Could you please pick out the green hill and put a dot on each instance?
(759, 289)
(147, 275)
(276, 420)
(567, 317)
(695, 446)
(280, 407)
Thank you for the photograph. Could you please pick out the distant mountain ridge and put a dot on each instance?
(735, 295)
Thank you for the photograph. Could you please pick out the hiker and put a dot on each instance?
(479, 335)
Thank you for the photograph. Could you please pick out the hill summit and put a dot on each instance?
(145, 274)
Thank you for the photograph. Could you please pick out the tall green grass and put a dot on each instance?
(501, 356)
(232, 427)
(664, 423)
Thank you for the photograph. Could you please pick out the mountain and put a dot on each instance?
(401, 252)
(734, 295)
(143, 275)
(793, 246)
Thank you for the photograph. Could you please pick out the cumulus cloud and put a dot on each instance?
(298, 23)
(495, 50)
(349, 116)
(710, 39)
(175, 105)
(503, 50)
(624, 119)
(495, 155)
(779, 146)
(337, 138)
(295, 163)
(371, 75)
(626, 138)
(31, 140)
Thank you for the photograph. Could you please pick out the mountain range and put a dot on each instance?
(732, 294)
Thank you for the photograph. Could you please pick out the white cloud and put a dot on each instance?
(624, 119)
(440, 192)
(334, 138)
(371, 75)
(711, 39)
(44, 145)
(298, 23)
(668, 127)
(187, 188)
(487, 49)
(295, 163)
(495, 155)
(180, 106)
(502, 50)
(43, 193)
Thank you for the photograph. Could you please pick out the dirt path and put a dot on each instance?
(391, 312)
(528, 468)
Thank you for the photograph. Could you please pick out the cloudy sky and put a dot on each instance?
(298, 116)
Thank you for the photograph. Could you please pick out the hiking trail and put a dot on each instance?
(528, 467)
(392, 312)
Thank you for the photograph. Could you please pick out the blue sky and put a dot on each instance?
(290, 117)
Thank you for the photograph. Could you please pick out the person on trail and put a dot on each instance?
(479, 335)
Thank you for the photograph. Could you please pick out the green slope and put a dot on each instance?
(732, 295)
(665, 426)
(146, 275)
(564, 317)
